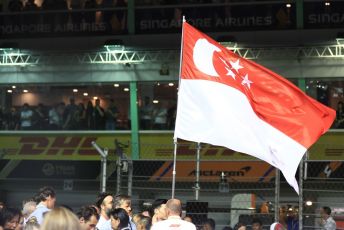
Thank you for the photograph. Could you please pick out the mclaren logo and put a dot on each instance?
(240, 172)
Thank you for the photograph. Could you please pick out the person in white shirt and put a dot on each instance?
(105, 205)
(26, 117)
(174, 221)
(46, 198)
(327, 222)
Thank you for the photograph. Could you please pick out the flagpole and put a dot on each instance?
(175, 140)
(174, 168)
(277, 194)
(301, 168)
(198, 159)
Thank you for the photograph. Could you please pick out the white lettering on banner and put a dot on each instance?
(206, 22)
(242, 22)
(335, 18)
(47, 28)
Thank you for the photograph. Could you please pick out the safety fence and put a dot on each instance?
(229, 187)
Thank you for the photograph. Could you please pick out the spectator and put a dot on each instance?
(239, 226)
(327, 222)
(70, 122)
(26, 117)
(160, 116)
(121, 16)
(46, 199)
(60, 219)
(142, 222)
(28, 208)
(339, 123)
(119, 219)
(123, 201)
(20, 225)
(146, 113)
(209, 224)
(31, 226)
(88, 218)
(171, 116)
(105, 204)
(158, 210)
(111, 116)
(188, 219)
(15, 6)
(98, 116)
(9, 218)
(89, 16)
(12, 118)
(89, 116)
(174, 210)
(257, 224)
(277, 226)
(55, 118)
(30, 19)
(2, 205)
(80, 116)
(291, 219)
(39, 118)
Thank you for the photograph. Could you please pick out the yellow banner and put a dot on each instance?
(160, 146)
(61, 146)
(330, 147)
(153, 146)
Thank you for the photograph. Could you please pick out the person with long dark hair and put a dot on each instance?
(119, 219)
(9, 218)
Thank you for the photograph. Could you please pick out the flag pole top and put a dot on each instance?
(184, 18)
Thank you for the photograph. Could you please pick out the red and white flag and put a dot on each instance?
(229, 101)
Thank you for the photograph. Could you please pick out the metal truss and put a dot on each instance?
(18, 58)
(334, 51)
(22, 58)
(131, 57)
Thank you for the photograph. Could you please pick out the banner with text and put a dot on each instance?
(153, 146)
(216, 18)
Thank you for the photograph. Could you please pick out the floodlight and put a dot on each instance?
(114, 45)
(227, 41)
(340, 38)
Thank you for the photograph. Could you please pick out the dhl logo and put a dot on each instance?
(66, 146)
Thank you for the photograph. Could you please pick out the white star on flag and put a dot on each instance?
(246, 81)
(230, 72)
(236, 65)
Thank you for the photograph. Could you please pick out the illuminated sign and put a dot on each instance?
(153, 146)
(210, 171)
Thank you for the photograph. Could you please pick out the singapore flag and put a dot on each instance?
(229, 101)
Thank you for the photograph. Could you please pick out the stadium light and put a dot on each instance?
(227, 41)
(309, 203)
(114, 45)
(340, 38)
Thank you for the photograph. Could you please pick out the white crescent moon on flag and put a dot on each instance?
(203, 57)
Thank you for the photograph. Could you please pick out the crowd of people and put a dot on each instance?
(160, 116)
(110, 212)
(90, 117)
(106, 15)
